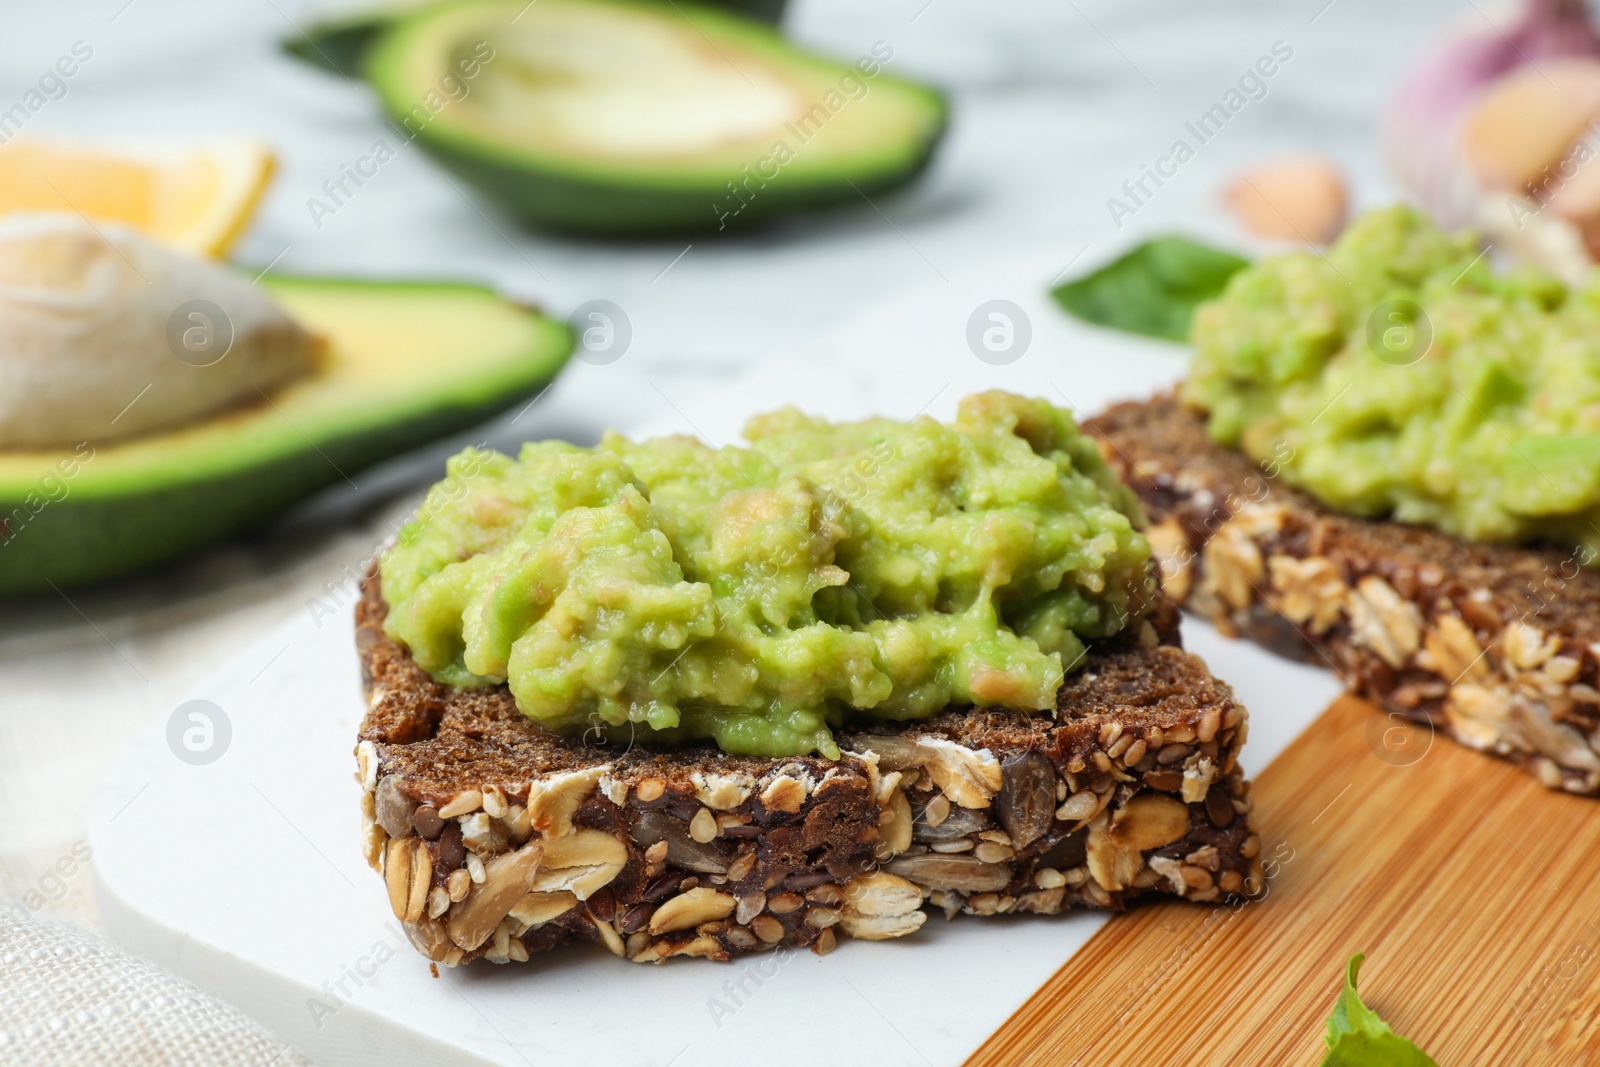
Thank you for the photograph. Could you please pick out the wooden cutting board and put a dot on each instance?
(1473, 890)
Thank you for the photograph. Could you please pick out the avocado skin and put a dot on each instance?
(761, 10)
(76, 542)
(87, 538)
(593, 207)
(337, 46)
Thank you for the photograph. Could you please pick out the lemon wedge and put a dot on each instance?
(197, 197)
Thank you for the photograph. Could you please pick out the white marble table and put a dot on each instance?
(1056, 105)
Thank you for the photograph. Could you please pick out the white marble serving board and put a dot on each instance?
(245, 875)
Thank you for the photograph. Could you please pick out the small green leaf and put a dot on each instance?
(1358, 1038)
(1154, 289)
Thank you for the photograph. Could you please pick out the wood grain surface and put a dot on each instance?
(1473, 890)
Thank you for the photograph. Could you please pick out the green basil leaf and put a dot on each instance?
(1154, 289)
(1358, 1038)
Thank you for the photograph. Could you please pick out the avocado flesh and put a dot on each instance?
(617, 117)
(406, 362)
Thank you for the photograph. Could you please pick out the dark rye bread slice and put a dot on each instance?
(497, 838)
(1494, 645)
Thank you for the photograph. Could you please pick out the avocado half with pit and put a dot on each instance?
(631, 117)
(405, 362)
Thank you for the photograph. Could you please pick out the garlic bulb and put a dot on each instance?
(1421, 133)
(1479, 117)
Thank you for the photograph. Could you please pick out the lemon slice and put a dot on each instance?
(197, 197)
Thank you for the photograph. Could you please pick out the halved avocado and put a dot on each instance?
(630, 117)
(406, 362)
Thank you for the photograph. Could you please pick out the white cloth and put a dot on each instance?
(71, 998)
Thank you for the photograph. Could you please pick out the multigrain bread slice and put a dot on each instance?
(498, 839)
(1497, 646)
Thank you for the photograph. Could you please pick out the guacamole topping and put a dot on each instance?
(1401, 375)
(759, 595)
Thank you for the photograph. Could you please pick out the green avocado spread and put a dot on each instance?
(759, 595)
(1400, 375)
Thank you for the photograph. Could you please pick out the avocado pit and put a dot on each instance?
(106, 334)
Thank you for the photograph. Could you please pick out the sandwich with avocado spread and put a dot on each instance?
(1386, 460)
(686, 701)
